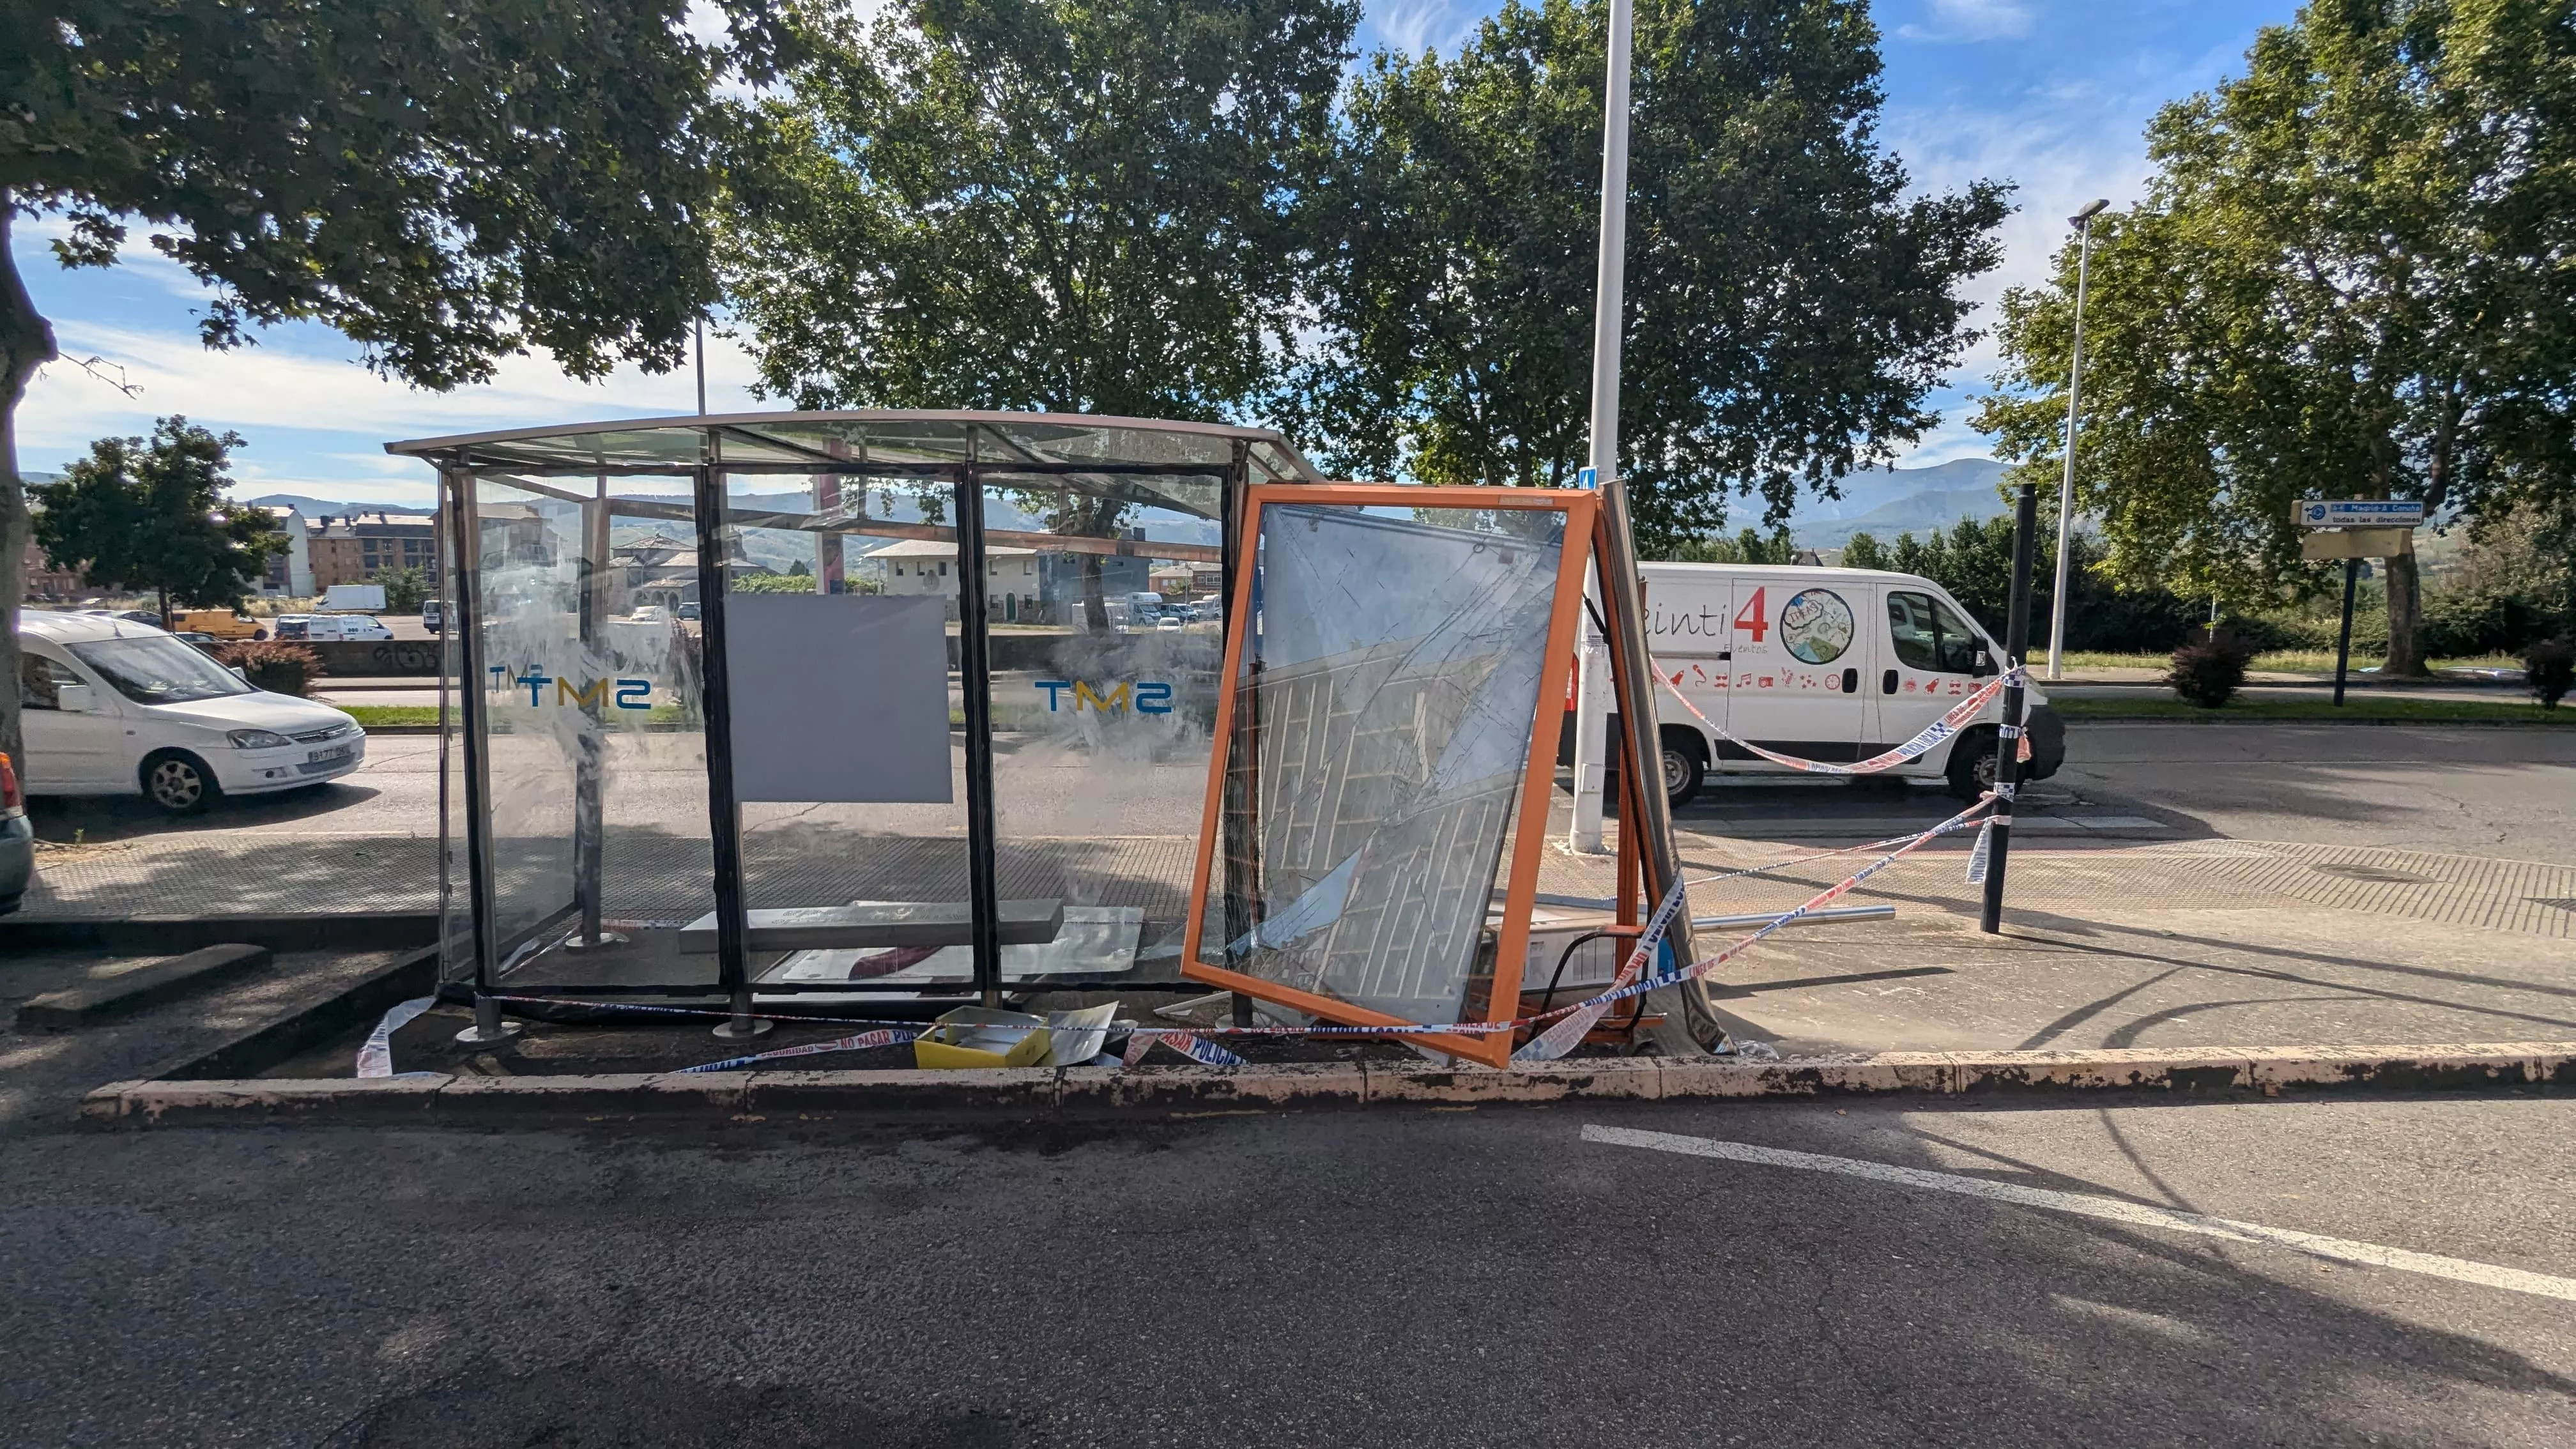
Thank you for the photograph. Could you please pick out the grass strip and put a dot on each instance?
(2401, 711)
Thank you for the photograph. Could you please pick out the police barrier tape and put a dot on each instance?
(1932, 734)
(1193, 1041)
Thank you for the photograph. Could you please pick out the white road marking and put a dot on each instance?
(2342, 1250)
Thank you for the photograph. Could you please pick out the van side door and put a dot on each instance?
(1931, 655)
(1800, 670)
(69, 751)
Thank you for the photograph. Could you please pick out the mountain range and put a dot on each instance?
(1887, 502)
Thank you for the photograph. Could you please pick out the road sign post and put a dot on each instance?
(2343, 637)
(2353, 529)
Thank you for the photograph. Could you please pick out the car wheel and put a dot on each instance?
(179, 783)
(1684, 772)
(1972, 764)
(259, 634)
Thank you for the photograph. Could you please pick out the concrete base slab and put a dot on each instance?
(132, 989)
(1181, 1092)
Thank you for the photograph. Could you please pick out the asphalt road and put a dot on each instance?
(1396, 1278)
(2497, 792)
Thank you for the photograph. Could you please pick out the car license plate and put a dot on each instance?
(320, 757)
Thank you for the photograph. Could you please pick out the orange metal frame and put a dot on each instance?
(1502, 1002)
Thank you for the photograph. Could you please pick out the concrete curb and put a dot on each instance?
(1182, 1092)
(169, 979)
(143, 934)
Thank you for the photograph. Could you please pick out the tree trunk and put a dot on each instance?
(2405, 620)
(26, 344)
(1095, 609)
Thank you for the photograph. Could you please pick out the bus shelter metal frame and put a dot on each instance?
(459, 469)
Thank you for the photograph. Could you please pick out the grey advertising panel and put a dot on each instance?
(840, 697)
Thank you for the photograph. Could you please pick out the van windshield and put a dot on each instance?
(157, 669)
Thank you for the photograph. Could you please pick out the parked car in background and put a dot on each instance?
(331, 628)
(433, 615)
(17, 840)
(221, 623)
(112, 708)
(685, 611)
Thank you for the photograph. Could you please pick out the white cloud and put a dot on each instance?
(285, 386)
(1972, 20)
(1407, 26)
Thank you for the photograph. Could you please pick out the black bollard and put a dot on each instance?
(2008, 739)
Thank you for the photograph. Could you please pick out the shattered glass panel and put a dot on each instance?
(1383, 721)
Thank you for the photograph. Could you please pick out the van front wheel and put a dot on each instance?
(179, 783)
(1684, 772)
(1972, 764)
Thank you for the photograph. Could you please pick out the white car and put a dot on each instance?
(113, 708)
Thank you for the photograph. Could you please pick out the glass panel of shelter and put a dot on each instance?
(587, 688)
(847, 766)
(1382, 726)
(1102, 605)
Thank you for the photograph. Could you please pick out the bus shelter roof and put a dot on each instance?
(874, 441)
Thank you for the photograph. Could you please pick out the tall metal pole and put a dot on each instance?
(701, 328)
(1592, 692)
(2066, 485)
(2008, 739)
(2343, 636)
(975, 686)
(724, 807)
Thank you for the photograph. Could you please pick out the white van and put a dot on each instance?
(1823, 664)
(325, 628)
(113, 708)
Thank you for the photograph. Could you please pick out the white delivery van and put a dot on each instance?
(329, 628)
(112, 708)
(1823, 664)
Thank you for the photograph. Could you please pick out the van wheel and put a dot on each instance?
(260, 634)
(1685, 769)
(1972, 764)
(179, 783)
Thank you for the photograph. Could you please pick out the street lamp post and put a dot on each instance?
(2066, 485)
(1592, 690)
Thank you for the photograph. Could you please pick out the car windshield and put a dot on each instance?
(157, 669)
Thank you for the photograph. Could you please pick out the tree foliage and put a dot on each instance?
(406, 589)
(1051, 205)
(1972, 559)
(2348, 278)
(150, 516)
(446, 184)
(1787, 307)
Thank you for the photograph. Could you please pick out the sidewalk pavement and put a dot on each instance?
(2108, 942)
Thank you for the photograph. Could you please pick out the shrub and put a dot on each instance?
(2549, 667)
(279, 668)
(2208, 673)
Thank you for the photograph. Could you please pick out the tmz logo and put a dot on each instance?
(1149, 697)
(629, 693)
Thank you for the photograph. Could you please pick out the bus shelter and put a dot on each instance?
(904, 708)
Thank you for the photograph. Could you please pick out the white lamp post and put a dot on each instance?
(1592, 692)
(2066, 485)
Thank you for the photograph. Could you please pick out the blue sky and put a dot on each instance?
(2050, 94)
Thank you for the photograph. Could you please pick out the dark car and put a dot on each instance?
(17, 841)
(686, 611)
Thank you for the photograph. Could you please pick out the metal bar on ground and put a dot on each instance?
(2008, 739)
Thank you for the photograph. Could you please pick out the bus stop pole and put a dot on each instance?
(2008, 739)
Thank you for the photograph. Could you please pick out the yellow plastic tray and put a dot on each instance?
(980, 1036)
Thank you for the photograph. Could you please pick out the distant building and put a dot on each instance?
(663, 571)
(47, 584)
(290, 573)
(924, 566)
(352, 548)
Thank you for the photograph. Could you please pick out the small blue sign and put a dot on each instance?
(1587, 478)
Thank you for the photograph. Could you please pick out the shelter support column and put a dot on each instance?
(724, 810)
